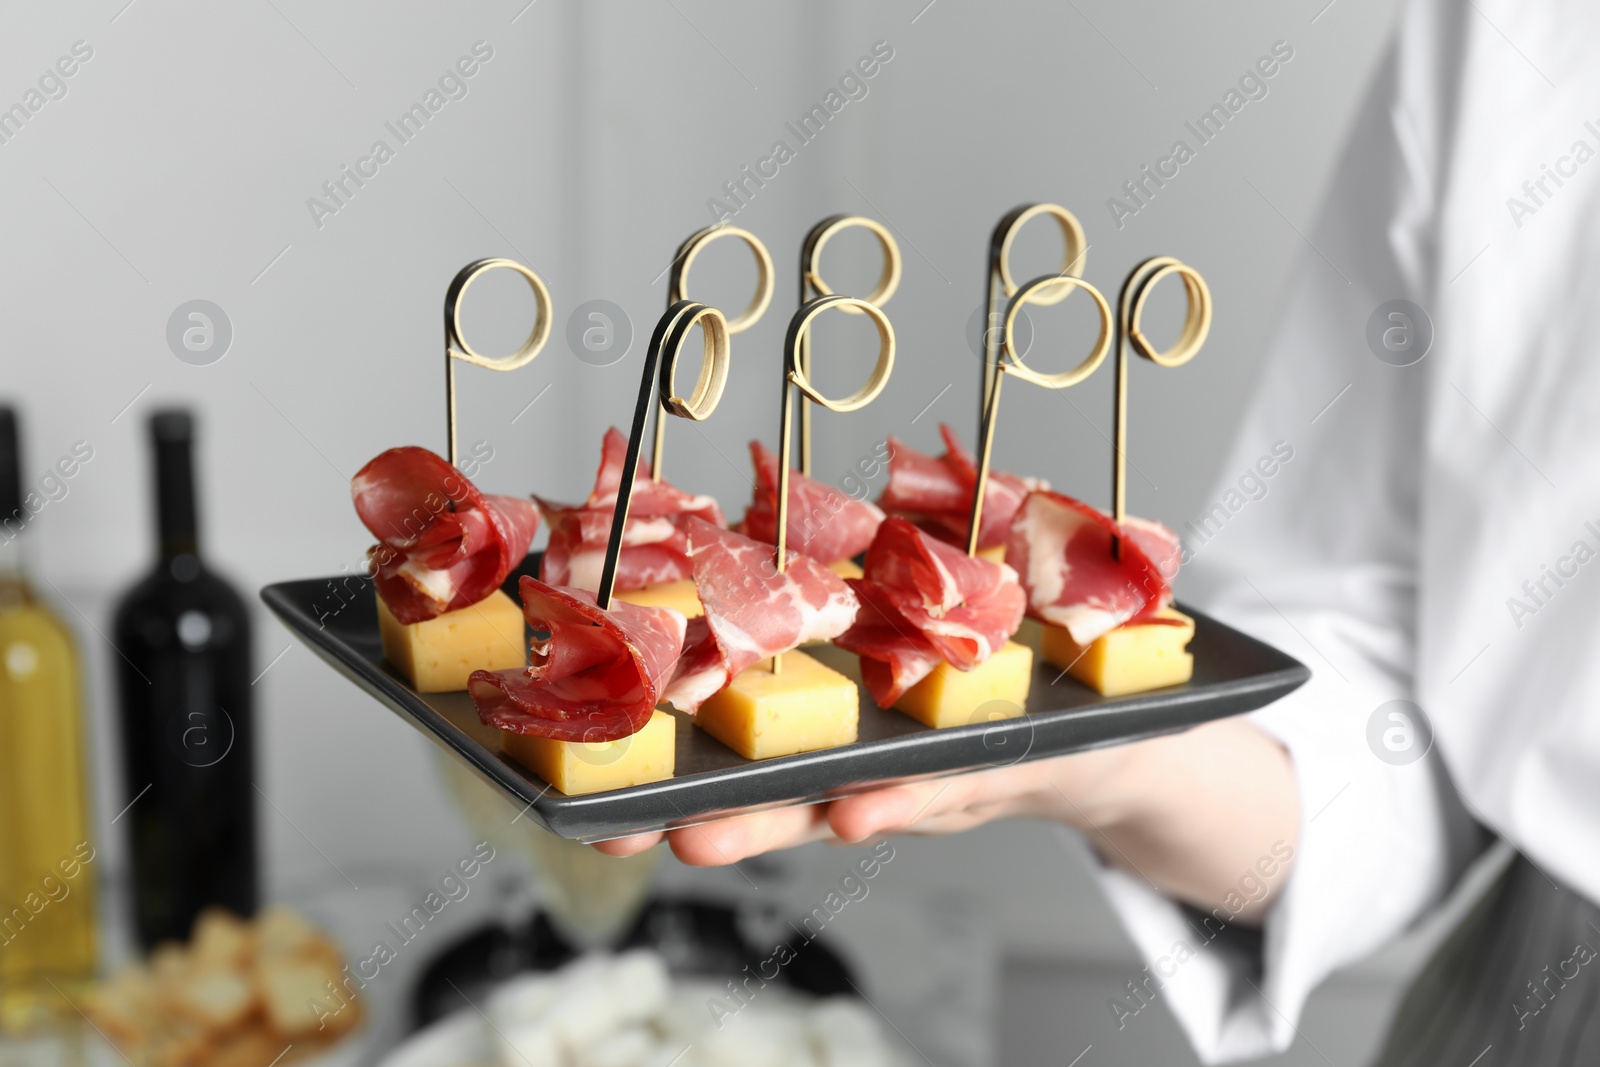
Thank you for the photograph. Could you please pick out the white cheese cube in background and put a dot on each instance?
(685, 1015)
(770, 1031)
(523, 999)
(627, 1011)
(633, 1047)
(640, 984)
(848, 1035)
(530, 1045)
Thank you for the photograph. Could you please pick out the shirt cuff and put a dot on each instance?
(1371, 857)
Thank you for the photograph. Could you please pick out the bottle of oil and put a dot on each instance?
(47, 870)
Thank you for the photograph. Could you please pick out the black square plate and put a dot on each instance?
(1233, 674)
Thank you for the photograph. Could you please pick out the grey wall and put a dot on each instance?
(179, 164)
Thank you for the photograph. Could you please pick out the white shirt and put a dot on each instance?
(1390, 553)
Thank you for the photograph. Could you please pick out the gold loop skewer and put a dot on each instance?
(1037, 291)
(794, 377)
(683, 259)
(1130, 310)
(455, 342)
(677, 290)
(812, 285)
(1002, 285)
(667, 341)
(713, 376)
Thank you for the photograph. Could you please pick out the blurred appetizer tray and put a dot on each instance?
(1233, 674)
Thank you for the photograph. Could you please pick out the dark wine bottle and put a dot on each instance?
(184, 684)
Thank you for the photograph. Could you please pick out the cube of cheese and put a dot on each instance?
(994, 553)
(439, 655)
(680, 594)
(994, 689)
(579, 767)
(802, 708)
(1129, 659)
(846, 568)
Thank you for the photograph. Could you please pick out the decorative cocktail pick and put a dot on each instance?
(1039, 291)
(660, 368)
(455, 342)
(796, 377)
(1001, 284)
(677, 291)
(812, 285)
(1130, 309)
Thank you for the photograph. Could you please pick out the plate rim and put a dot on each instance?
(559, 813)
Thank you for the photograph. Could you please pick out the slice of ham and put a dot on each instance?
(823, 522)
(752, 611)
(1062, 549)
(936, 493)
(924, 602)
(443, 545)
(654, 549)
(596, 675)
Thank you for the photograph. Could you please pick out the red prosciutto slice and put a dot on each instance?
(654, 549)
(752, 611)
(936, 493)
(442, 544)
(1158, 542)
(1062, 551)
(924, 602)
(823, 523)
(597, 676)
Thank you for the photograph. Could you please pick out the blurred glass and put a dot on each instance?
(592, 899)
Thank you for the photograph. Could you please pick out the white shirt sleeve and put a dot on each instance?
(1319, 558)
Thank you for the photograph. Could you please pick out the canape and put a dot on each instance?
(1102, 593)
(582, 715)
(444, 548)
(935, 493)
(653, 569)
(934, 630)
(739, 675)
(823, 523)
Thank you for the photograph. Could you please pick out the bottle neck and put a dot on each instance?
(13, 563)
(176, 519)
(14, 588)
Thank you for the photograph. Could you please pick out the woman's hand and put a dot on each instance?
(1191, 813)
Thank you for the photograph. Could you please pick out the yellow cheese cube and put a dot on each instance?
(994, 689)
(846, 568)
(579, 767)
(994, 553)
(679, 594)
(439, 655)
(802, 708)
(1129, 659)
